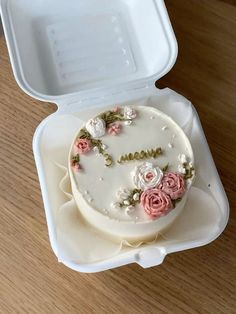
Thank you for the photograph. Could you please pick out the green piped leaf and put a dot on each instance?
(164, 169)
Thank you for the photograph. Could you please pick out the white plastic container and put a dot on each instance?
(84, 55)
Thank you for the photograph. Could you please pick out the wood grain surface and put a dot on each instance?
(201, 280)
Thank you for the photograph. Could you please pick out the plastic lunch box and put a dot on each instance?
(83, 55)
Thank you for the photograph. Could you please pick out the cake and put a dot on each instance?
(131, 169)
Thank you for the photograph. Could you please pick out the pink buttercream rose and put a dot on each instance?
(114, 128)
(82, 146)
(156, 203)
(76, 166)
(173, 184)
(116, 109)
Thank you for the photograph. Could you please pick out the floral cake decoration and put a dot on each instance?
(89, 137)
(156, 190)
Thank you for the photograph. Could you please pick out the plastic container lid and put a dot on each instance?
(63, 50)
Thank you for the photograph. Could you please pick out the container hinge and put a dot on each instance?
(95, 99)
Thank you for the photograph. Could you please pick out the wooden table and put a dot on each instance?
(202, 280)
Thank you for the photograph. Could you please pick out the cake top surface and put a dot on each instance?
(122, 157)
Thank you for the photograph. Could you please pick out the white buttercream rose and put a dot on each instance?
(146, 176)
(182, 158)
(123, 194)
(181, 169)
(129, 113)
(96, 127)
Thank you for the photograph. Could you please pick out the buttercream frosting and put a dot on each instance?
(136, 197)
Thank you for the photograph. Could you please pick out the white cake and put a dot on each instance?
(130, 170)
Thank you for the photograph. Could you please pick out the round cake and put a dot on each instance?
(131, 169)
